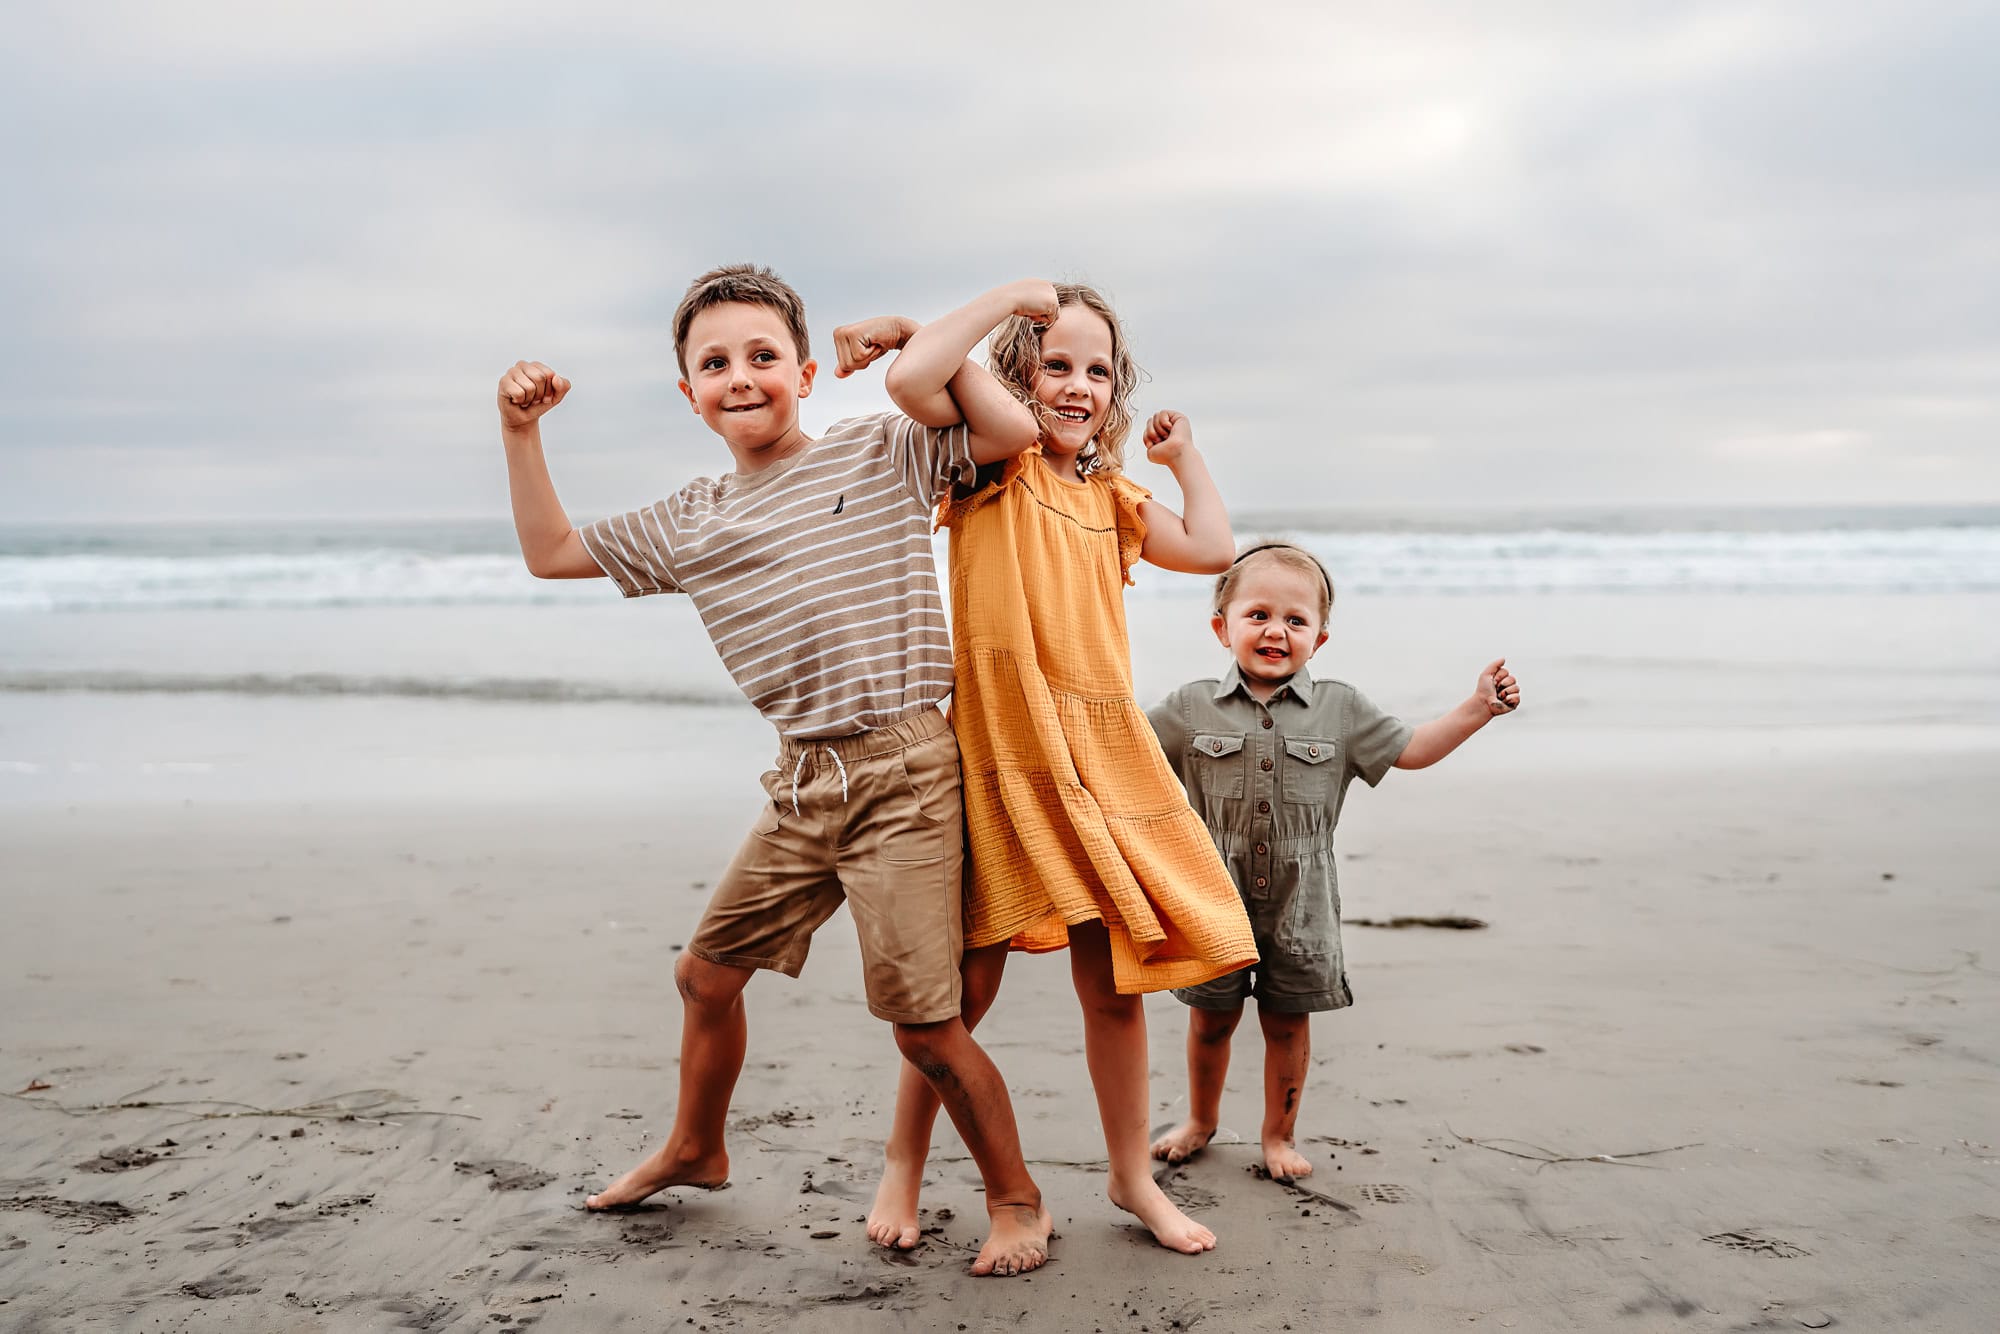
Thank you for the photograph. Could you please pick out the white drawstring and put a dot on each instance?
(839, 764)
(800, 768)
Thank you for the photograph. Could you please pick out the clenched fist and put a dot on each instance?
(1168, 436)
(858, 345)
(1498, 689)
(528, 390)
(1034, 299)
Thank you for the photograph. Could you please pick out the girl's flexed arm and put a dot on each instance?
(933, 378)
(1200, 542)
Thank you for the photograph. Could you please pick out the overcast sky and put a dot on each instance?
(259, 264)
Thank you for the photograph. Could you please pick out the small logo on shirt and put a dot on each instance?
(840, 504)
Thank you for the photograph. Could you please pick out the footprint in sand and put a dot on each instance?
(1173, 1183)
(119, 1160)
(507, 1175)
(221, 1285)
(1385, 1194)
(1752, 1244)
(88, 1215)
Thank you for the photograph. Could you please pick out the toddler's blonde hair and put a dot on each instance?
(1289, 554)
(1014, 355)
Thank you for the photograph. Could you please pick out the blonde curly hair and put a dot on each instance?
(1014, 355)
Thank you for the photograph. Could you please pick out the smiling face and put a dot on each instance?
(1074, 381)
(745, 379)
(1272, 622)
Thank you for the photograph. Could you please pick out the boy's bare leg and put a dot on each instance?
(892, 1219)
(975, 1097)
(1114, 1044)
(713, 1033)
(1287, 1057)
(1208, 1067)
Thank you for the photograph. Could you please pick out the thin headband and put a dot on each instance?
(1279, 545)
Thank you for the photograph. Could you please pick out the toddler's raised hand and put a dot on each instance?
(528, 390)
(860, 344)
(1168, 436)
(1498, 690)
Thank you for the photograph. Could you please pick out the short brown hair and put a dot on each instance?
(1014, 355)
(752, 284)
(1288, 554)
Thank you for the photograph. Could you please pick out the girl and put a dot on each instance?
(1080, 834)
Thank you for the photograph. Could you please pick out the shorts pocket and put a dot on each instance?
(1310, 928)
(931, 775)
(1310, 770)
(910, 846)
(773, 813)
(1215, 763)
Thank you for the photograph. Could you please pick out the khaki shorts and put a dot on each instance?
(874, 819)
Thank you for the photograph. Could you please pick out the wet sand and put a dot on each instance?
(369, 1055)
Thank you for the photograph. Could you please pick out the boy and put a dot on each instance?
(1266, 755)
(811, 567)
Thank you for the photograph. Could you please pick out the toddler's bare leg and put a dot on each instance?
(1287, 1057)
(975, 1097)
(713, 1033)
(1114, 1044)
(1208, 1068)
(892, 1219)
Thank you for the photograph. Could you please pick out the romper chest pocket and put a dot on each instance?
(1310, 769)
(1217, 764)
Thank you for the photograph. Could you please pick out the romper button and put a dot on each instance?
(1263, 808)
(1267, 723)
(1265, 765)
(1261, 849)
(1313, 751)
(1261, 882)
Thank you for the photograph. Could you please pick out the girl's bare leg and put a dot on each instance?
(892, 1219)
(1287, 1057)
(1208, 1068)
(1114, 1043)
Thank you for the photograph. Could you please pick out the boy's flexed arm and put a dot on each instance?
(1200, 541)
(1497, 693)
(549, 543)
(933, 378)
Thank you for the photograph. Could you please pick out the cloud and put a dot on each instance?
(275, 265)
(1784, 446)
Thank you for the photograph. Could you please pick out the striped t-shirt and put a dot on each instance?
(815, 576)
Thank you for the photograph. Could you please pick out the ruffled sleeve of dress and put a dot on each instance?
(988, 481)
(1128, 495)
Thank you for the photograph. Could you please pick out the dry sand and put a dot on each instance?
(1776, 947)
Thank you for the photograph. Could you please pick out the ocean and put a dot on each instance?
(160, 660)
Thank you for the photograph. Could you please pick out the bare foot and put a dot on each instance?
(660, 1170)
(1183, 1142)
(1169, 1226)
(1019, 1241)
(892, 1219)
(1284, 1162)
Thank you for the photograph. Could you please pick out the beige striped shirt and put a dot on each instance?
(815, 577)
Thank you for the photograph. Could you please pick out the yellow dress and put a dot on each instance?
(1071, 811)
